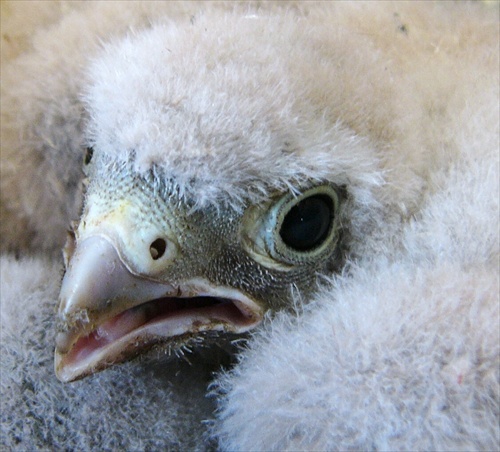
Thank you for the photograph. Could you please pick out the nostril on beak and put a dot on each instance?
(157, 248)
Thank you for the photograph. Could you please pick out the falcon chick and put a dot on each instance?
(234, 159)
(336, 162)
(203, 208)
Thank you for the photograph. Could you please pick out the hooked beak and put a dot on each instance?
(108, 314)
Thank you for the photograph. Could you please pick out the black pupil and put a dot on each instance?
(307, 224)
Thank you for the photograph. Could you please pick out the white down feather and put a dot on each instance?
(401, 351)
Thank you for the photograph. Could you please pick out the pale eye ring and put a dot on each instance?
(304, 228)
(291, 229)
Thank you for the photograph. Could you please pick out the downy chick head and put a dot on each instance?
(216, 189)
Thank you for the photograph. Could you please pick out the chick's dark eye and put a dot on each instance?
(307, 224)
(89, 152)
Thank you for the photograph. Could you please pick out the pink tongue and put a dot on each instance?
(132, 319)
(120, 325)
(109, 331)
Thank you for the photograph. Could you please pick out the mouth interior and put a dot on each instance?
(169, 312)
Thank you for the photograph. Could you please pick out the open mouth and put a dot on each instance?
(107, 317)
(141, 327)
(165, 316)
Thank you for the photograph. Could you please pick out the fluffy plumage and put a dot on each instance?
(398, 102)
(402, 353)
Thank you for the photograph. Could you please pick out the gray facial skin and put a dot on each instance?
(222, 267)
